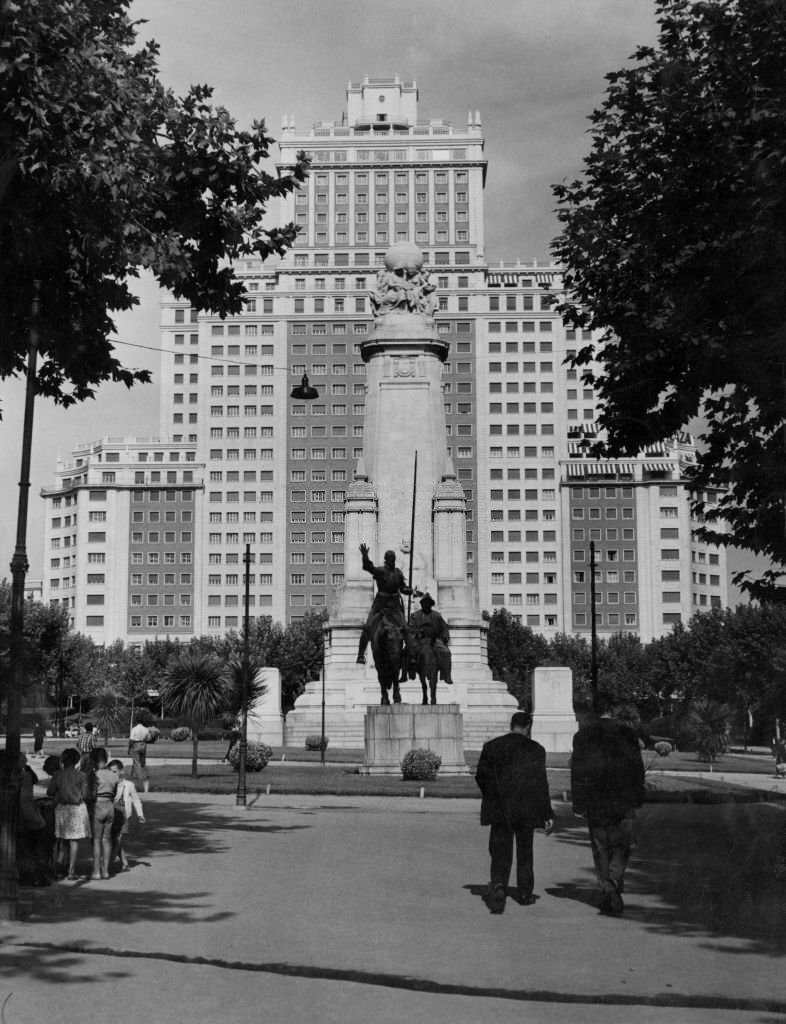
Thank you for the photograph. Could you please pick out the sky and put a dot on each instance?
(533, 68)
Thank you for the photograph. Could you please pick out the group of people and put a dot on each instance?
(87, 797)
(607, 783)
(92, 799)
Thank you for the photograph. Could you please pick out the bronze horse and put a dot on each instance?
(387, 647)
(425, 663)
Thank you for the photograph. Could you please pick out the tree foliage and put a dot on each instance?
(195, 686)
(513, 652)
(674, 246)
(102, 171)
(300, 656)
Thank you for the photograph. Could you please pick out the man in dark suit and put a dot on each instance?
(511, 775)
(607, 783)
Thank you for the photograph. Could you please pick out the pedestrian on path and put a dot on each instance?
(39, 735)
(85, 744)
(512, 777)
(104, 781)
(137, 748)
(607, 782)
(126, 801)
(68, 786)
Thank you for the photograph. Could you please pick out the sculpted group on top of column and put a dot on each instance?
(404, 285)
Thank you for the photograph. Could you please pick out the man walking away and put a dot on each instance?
(511, 775)
(607, 780)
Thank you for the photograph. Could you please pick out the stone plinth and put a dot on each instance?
(392, 731)
(553, 719)
(265, 721)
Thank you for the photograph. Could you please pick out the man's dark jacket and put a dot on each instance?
(607, 772)
(511, 774)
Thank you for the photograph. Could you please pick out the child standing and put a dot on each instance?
(126, 801)
(72, 822)
(104, 783)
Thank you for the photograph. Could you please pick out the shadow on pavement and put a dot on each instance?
(702, 871)
(52, 966)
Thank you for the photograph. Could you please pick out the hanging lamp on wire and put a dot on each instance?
(304, 390)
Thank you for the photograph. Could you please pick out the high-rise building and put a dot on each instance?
(276, 468)
(123, 525)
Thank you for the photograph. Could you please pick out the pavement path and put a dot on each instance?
(370, 910)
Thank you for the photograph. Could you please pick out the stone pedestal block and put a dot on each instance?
(553, 719)
(392, 731)
(265, 721)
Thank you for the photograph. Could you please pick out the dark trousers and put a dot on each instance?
(611, 846)
(501, 850)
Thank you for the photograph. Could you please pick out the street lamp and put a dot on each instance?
(11, 769)
(304, 391)
(325, 636)
(594, 632)
(240, 800)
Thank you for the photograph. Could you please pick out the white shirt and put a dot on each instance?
(139, 733)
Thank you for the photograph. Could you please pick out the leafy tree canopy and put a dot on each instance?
(104, 171)
(674, 244)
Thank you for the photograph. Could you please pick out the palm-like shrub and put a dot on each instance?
(233, 677)
(195, 688)
(709, 722)
(106, 714)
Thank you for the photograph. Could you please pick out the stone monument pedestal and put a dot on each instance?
(265, 722)
(553, 719)
(393, 730)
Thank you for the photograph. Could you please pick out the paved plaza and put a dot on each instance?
(357, 909)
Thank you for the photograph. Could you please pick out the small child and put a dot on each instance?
(126, 800)
(72, 822)
(104, 782)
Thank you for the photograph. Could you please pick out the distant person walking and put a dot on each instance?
(607, 780)
(779, 753)
(85, 744)
(511, 775)
(137, 748)
(39, 735)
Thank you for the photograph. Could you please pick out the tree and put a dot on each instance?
(234, 672)
(195, 688)
(104, 171)
(575, 653)
(513, 652)
(299, 656)
(674, 246)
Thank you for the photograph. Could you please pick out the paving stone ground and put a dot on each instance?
(352, 909)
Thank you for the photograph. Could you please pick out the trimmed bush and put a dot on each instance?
(153, 733)
(663, 748)
(316, 742)
(421, 764)
(257, 756)
(182, 732)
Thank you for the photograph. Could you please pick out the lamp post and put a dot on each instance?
(10, 767)
(325, 635)
(594, 632)
(240, 800)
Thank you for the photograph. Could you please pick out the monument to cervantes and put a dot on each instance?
(404, 414)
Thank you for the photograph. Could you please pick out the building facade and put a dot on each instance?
(122, 530)
(276, 469)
